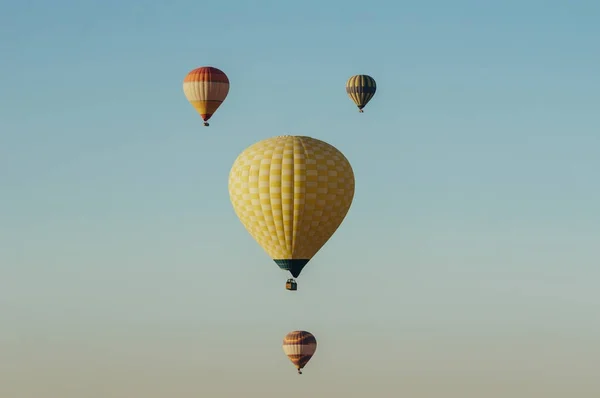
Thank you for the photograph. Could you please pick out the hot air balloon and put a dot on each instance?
(360, 89)
(299, 346)
(206, 88)
(291, 193)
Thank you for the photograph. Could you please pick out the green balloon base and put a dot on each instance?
(293, 265)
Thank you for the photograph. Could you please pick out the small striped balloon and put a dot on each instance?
(361, 89)
(299, 346)
(206, 88)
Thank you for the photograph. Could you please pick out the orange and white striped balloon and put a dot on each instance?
(206, 88)
(299, 346)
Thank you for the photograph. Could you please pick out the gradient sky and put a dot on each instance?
(467, 266)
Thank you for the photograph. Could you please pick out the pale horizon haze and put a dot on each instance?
(467, 266)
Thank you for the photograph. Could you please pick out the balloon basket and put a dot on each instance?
(206, 124)
(291, 285)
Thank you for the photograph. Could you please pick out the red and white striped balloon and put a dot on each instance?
(299, 346)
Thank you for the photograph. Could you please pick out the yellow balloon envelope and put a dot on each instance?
(299, 346)
(291, 193)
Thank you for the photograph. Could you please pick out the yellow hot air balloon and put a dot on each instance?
(291, 193)
(299, 346)
(360, 89)
(206, 88)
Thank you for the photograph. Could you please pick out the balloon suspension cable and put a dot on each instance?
(206, 124)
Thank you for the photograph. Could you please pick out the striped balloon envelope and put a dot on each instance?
(361, 89)
(206, 88)
(299, 346)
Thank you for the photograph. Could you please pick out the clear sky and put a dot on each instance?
(467, 266)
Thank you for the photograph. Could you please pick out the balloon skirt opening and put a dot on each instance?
(293, 265)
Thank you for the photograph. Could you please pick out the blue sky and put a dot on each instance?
(467, 263)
